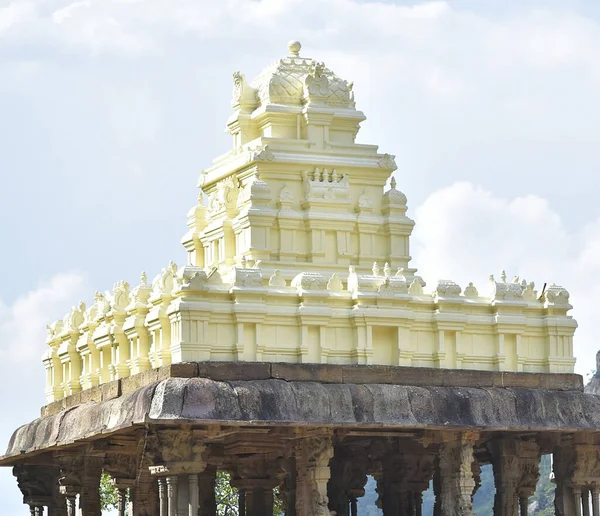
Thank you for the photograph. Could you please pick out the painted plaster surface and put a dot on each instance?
(299, 252)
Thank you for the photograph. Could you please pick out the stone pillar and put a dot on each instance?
(144, 494)
(312, 465)
(457, 483)
(256, 476)
(288, 489)
(595, 502)
(259, 498)
(348, 478)
(177, 457)
(70, 494)
(241, 502)
(516, 473)
(121, 501)
(585, 499)
(193, 496)
(207, 505)
(576, 472)
(39, 486)
(90, 492)
(577, 497)
(437, 488)
(172, 482)
(162, 496)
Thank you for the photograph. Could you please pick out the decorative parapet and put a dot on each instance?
(190, 314)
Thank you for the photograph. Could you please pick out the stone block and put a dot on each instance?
(561, 382)
(111, 390)
(53, 408)
(417, 376)
(93, 395)
(234, 371)
(73, 400)
(323, 373)
(525, 380)
(132, 383)
(362, 374)
(182, 370)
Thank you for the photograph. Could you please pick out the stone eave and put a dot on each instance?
(351, 397)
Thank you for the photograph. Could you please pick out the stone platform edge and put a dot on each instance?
(322, 373)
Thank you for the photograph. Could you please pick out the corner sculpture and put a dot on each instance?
(298, 349)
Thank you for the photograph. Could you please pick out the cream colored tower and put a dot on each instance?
(300, 254)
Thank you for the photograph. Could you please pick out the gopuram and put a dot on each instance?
(298, 349)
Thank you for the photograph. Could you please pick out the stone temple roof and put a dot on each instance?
(284, 82)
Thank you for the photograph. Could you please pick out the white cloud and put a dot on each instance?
(465, 233)
(23, 324)
(22, 342)
(15, 13)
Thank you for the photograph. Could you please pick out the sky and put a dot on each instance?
(109, 109)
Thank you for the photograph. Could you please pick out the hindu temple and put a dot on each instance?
(299, 349)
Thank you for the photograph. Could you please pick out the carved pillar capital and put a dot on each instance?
(456, 472)
(38, 484)
(312, 462)
(174, 452)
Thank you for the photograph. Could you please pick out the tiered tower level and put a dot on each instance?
(297, 252)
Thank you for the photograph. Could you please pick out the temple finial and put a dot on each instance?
(294, 48)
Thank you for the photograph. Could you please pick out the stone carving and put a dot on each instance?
(529, 292)
(415, 289)
(557, 296)
(295, 79)
(277, 280)
(335, 284)
(261, 154)
(456, 459)
(375, 269)
(142, 292)
(164, 283)
(224, 197)
(309, 281)
(326, 184)
(392, 286)
(312, 460)
(248, 278)
(364, 203)
(317, 84)
(286, 197)
(99, 308)
(243, 94)
(175, 451)
(54, 330)
(383, 284)
(503, 291)
(447, 288)
(74, 319)
(471, 291)
(120, 298)
(394, 197)
(388, 161)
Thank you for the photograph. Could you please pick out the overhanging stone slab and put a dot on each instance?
(276, 402)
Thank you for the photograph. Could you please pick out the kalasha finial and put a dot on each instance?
(294, 48)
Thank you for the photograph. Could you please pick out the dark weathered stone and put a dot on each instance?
(207, 401)
(232, 371)
(324, 373)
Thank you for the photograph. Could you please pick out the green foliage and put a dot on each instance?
(227, 497)
(109, 494)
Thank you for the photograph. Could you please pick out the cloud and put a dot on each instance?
(22, 342)
(465, 232)
(23, 324)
